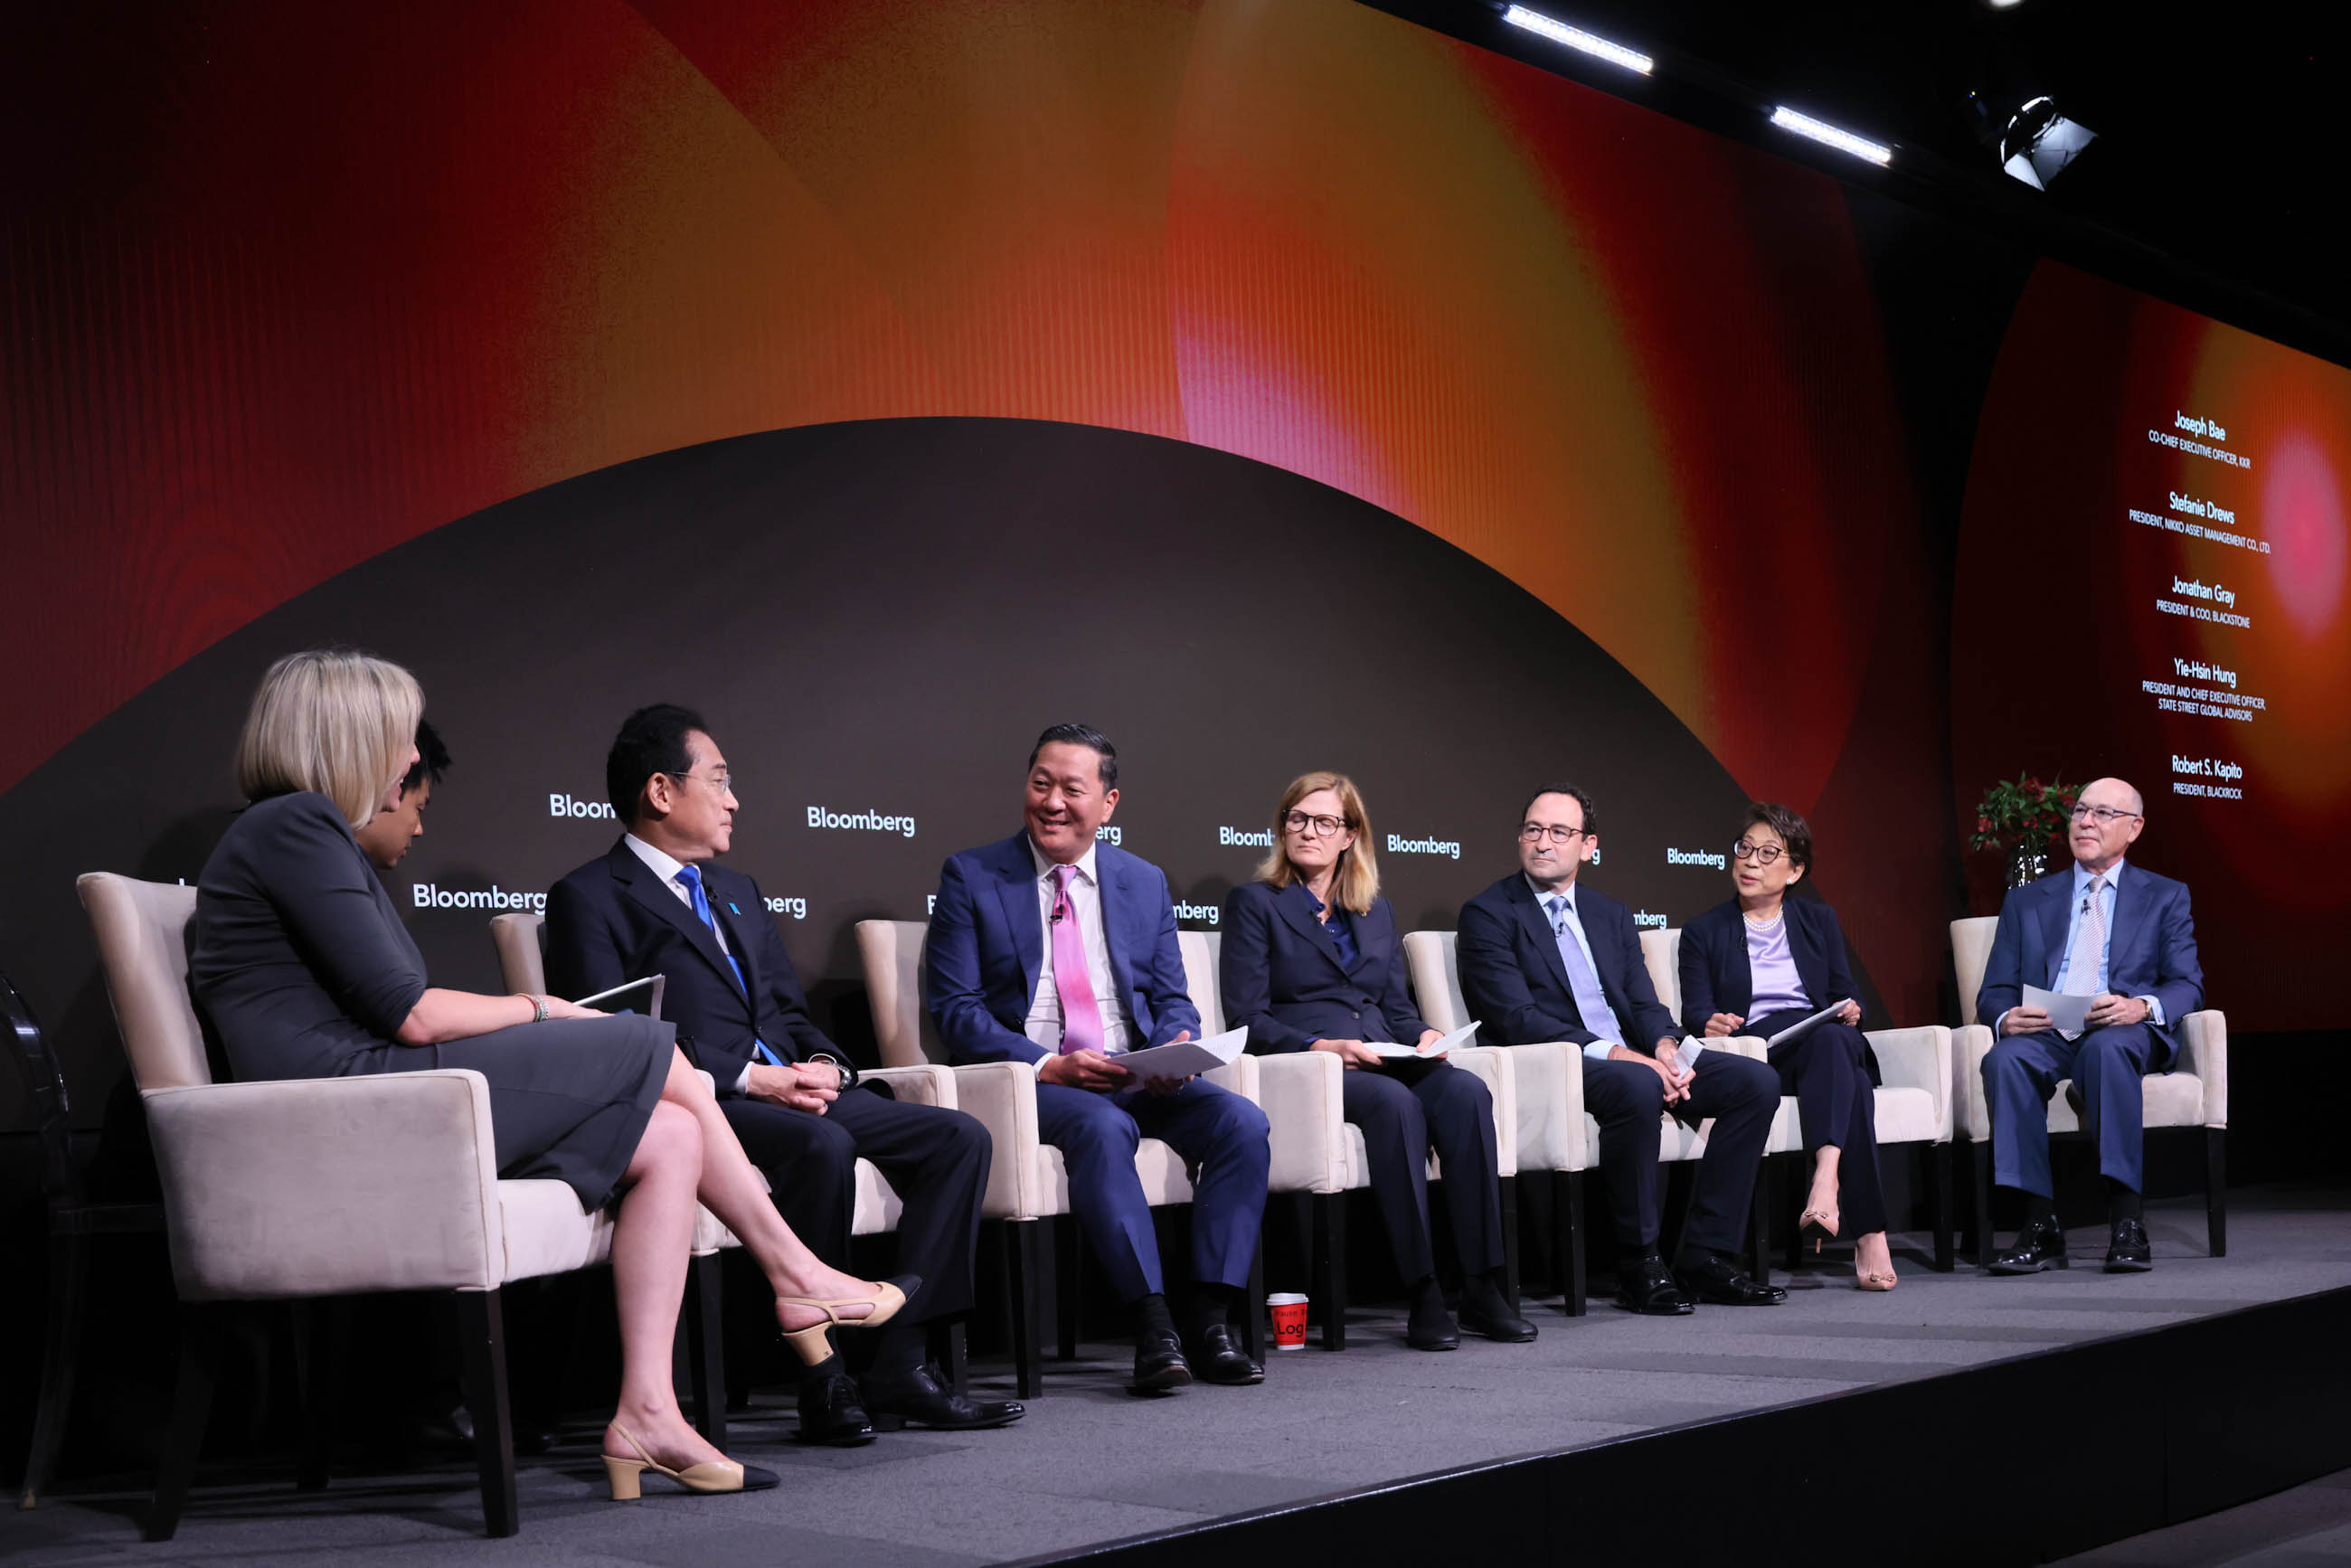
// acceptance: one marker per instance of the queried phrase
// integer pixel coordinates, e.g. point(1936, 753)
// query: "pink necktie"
point(1080, 1015)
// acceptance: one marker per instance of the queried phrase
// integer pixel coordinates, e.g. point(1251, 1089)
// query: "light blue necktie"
point(1590, 999)
point(691, 876)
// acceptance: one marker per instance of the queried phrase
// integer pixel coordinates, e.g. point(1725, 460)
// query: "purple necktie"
point(1080, 1015)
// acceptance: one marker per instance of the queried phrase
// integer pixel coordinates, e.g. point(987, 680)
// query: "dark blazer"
point(2151, 953)
point(1283, 981)
point(296, 957)
point(1514, 983)
point(613, 920)
point(1717, 978)
point(988, 942)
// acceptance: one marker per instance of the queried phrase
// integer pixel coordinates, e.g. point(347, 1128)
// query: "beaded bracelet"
point(538, 1006)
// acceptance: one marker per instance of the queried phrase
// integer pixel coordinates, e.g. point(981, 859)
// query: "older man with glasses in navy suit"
point(2123, 937)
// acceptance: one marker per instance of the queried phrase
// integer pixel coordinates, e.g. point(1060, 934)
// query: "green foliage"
point(2023, 814)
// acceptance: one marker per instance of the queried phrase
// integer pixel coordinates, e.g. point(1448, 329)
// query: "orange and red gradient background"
point(289, 285)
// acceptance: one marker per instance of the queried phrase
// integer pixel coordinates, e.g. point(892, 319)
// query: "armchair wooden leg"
point(201, 1327)
point(1938, 1178)
point(1329, 1269)
point(1568, 1198)
point(1790, 1189)
point(2215, 1191)
point(60, 1347)
point(1253, 1327)
point(1982, 1245)
point(321, 1340)
point(706, 1352)
point(481, 1329)
point(1069, 1277)
point(1758, 1230)
point(1027, 1266)
point(947, 1348)
point(1510, 1240)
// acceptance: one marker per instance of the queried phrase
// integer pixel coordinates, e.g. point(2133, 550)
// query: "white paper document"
point(2064, 1011)
point(1687, 1053)
point(1185, 1058)
point(1803, 1026)
point(629, 997)
point(1458, 1036)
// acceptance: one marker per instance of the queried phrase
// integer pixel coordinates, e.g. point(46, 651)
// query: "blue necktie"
point(1591, 1001)
point(691, 876)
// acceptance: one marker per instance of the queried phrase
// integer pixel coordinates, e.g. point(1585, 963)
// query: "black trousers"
point(1740, 1094)
point(1827, 1069)
point(936, 1160)
point(1403, 1110)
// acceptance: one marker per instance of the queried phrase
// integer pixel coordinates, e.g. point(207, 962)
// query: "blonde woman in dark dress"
point(305, 970)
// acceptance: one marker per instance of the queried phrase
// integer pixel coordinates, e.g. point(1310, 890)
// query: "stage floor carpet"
point(1091, 1464)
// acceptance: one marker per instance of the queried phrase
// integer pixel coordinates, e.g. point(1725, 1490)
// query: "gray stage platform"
point(1093, 1464)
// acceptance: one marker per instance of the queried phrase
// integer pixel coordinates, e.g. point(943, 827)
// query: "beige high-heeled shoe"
point(810, 1343)
point(627, 1475)
point(1874, 1280)
point(1819, 1224)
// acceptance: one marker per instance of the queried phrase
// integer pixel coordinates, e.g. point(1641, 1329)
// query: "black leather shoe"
point(1218, 1358)
point(923, 1399)
point(2038, 1247)
point(830, 1410)
point(1647, 1288)
point(1718, 1281)
point(1159, 1363)
point(1487, 1311)
point(2127, 1251)
point(1430, 1327)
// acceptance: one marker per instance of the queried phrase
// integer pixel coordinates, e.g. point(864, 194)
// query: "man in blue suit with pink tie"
point(2106, 929)
point(1054, 948)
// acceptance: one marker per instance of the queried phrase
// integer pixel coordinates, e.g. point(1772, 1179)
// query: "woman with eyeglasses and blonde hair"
point(1763, 961)
point(1311, 961)
point(301, 964)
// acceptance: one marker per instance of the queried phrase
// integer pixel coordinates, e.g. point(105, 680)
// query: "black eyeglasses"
point(1762, 854)
point(1308, 827)
point(1532, 831)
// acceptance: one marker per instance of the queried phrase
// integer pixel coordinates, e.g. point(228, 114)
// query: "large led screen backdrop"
point(1276, 386)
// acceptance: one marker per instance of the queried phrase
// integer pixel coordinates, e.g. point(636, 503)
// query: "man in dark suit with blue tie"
point(1542, 960)
point(2100, 929)
point(1054, 948)
point(658, 903)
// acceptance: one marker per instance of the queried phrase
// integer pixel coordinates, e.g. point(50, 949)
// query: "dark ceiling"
point(2217, 180)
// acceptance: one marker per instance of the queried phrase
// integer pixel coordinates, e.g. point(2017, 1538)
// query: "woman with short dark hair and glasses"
point(1311, 960)
point(1763, 961)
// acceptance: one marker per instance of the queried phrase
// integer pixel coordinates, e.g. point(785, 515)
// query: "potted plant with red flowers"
point(2024, 819)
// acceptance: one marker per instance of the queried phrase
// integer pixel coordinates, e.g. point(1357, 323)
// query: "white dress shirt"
point(1597, 1049)
point(1044, 1025)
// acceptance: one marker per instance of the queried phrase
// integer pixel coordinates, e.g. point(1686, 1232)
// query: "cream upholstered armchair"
point(327, 1186)
point(2193, 1095)
point(521, 943)
point(1319, 1156)
point(1028, 1184)
point(1913, 1098)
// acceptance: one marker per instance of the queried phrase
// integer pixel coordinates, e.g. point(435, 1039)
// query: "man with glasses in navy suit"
point(1542, 960)
point(659, 904)
point(1054, 948)
point(2106, 929)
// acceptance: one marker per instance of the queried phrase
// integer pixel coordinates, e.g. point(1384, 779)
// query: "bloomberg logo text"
point(861, 821)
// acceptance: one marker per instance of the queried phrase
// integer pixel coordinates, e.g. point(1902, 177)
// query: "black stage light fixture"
point(2038, 143)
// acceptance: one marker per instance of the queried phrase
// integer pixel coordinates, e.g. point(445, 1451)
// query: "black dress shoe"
point(1430, 1327)
point(2127, 1251)
point(1718, 1281)
point(921, 1397)
point(1159, 1363)
point(1486, 1311)
point(1647, 1288)
point(830, 1410)
point(2038, 1247)
point(1218, 1358)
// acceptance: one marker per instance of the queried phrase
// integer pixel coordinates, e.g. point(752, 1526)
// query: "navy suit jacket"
point(1717, 978)
point(1515, 984)
point(2151, 951)
point(1283, 981)
point(614, 920)
point(987, 943)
